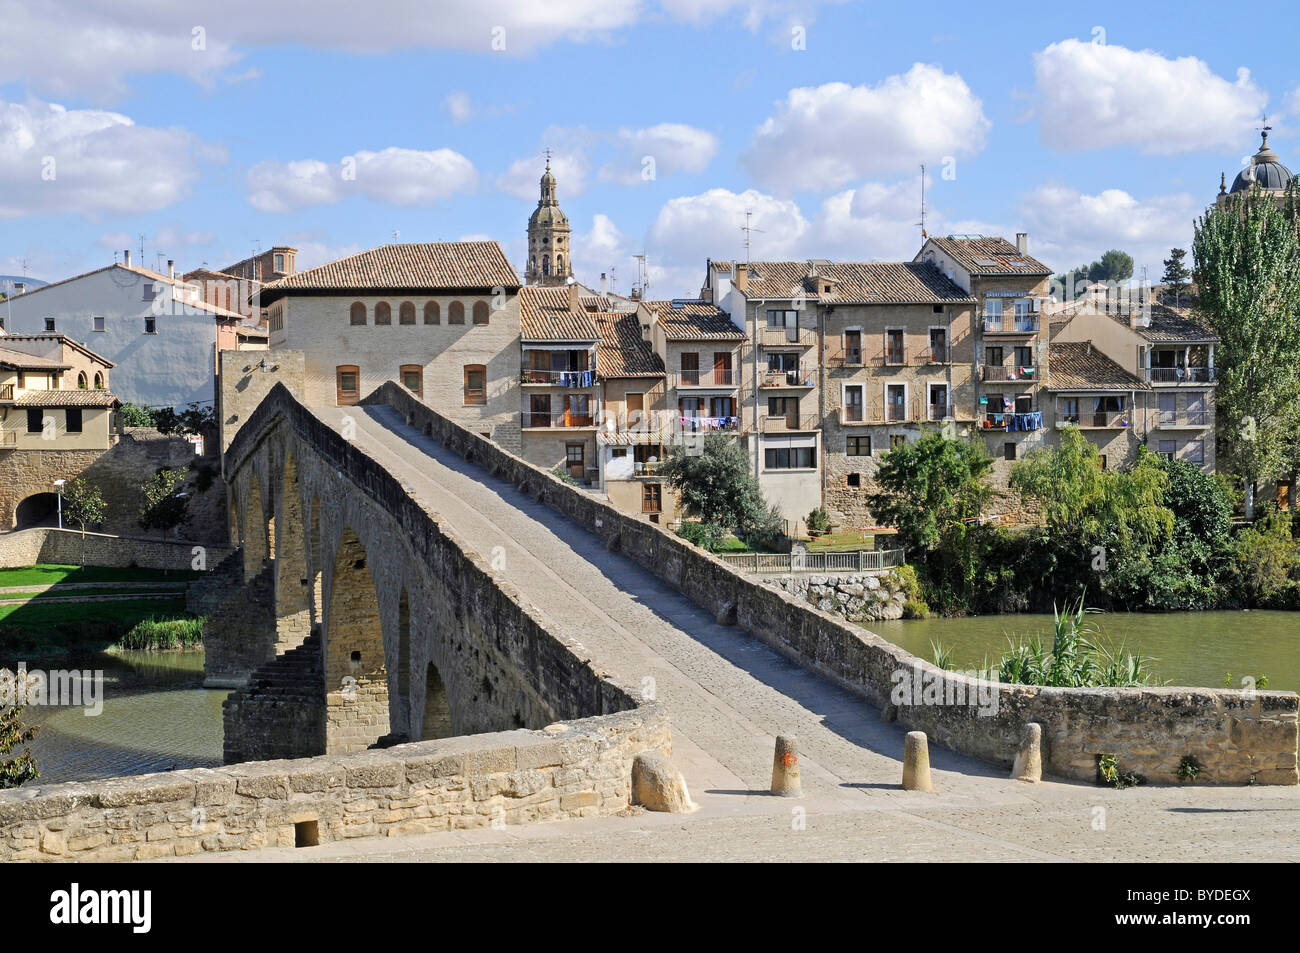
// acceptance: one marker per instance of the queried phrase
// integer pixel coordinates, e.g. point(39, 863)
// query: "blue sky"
point(1090, 130)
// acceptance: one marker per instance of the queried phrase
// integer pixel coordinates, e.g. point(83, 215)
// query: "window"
point(938, 345)
point(938, 401)
point(480, 312)
point(432, 313)
point(1008, 451)
point(348, 379)
point(782, 319)
point(279, 263)
point(895, 402)
point(99, 381)
point(857, 447)
point(1167, 448)
point(852, 347)
point(49, 325)
point(1195, 451)
point(1069, 410)
point(475, 376)
point(651, 497)
point(853, 479)
point(456, 313)
point(894, 353)
point(81, 381)
point(993, 356)
point(150, 325)
point(35, 418)
point(413, 379)
point(150, 292)
point(618, 453)
point(73, 417)
point(358, 313)
point(98, 322)
point(406, 313)
point(1024, 357)
point(854, 410)
point(383, 313)
point(690, 367)
point(790, 458)
point(992, 314)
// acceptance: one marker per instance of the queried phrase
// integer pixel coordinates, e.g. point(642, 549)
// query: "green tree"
point(1247, 268)
point(1114, 265)
point(194, 419)
point(165, 506)
point(716, 487)
point(1176, 278)
point(934, 490)
point(83, 505)
point(16, 770)
point(133, 415)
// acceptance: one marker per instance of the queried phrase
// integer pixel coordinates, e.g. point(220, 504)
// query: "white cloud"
point(668, 148)
point(1069, 227)
point(394, 175)
point(1098, 96)
point(522, 179)
point(54, 159)
point(826, 136)
point(458, 106)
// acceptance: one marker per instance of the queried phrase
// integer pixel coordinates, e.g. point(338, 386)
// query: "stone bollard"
point(785, 768)
point(916, 763)
point(1029, 758)
point(657, 785)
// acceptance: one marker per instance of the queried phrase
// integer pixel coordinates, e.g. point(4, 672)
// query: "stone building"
point(442, 318)
point(549, 253)
point(1264, 171)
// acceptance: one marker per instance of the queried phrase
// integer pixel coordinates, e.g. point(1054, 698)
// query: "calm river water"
point(156, 717)
point(1189, 648)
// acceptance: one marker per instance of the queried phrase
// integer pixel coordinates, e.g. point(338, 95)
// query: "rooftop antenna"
point(397, 233)
point(613, 279)
point(642, 274)
point(922, 222)
point(748, 229)
point(142, 249)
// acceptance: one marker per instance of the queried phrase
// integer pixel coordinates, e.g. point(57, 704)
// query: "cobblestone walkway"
point(729, 695)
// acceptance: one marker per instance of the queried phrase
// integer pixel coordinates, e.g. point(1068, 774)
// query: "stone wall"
point(1239, 738)
point(859, 597)
point(118, 473)
point(579, 769)
point(27, 547)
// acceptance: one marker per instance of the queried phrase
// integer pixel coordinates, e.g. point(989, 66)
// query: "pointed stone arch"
point(293, 595)
point(356, 676)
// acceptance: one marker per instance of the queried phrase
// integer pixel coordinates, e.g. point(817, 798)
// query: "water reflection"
point(156, 717)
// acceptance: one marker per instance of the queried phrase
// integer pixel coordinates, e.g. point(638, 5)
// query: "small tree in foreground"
point(22, 768)
point(164, 508)
point(716, 487)
point(83, 505)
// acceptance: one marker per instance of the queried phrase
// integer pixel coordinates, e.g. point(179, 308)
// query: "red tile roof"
point(854, 282)
point(544, 315)
point(622, 352)
point(990, 255)
point(694, 321)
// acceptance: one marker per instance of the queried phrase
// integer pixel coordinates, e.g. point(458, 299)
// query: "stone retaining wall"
point(27, 547)
point(579, 769)
point(859, 597)
point(1237, 737)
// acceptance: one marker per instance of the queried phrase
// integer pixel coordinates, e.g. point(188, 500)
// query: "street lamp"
point(59, 486)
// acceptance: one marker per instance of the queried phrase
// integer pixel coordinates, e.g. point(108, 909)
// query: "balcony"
point(1190, 419)
point(1022, 421)
point(8, 438)
point(1108, 421)
point(789, 423)
point(786, 337)
point(894, 357)
point(938, 411)
point(845, 357)
point(6, 391)
point(697, 424)
point(1009, 324)
point(585, 378)
point(1181, 375)
point(647, 468)
point(1018, 372)
point(935, 354)
point(566, 420)
point(714, 377)
point(776, 380)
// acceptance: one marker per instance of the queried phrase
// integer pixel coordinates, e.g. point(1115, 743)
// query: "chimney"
point(740, 277)
point(574, 304)
point(1022, 242)
point(171, 268)
point(126, 256)
point(604, 286)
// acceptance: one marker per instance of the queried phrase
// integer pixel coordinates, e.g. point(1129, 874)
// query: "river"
point(1189, 648)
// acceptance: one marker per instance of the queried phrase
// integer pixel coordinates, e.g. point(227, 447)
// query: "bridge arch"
point(293, 594)
point(255, 533)
point(356, 673)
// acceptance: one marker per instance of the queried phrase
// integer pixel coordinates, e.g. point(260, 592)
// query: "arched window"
point(383, 313)
point(99, 381)
point(81, 380)
point(480, 312)
point(358, 315)
point(559, 264)
point(546, 264)
point(406, 314)
point(456, 313)
point(432, 313)
point(475, 384)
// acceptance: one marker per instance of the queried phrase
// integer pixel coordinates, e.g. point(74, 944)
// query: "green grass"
point(849, 541)
point(58, 592)
point(43, 629)
point(48, 575)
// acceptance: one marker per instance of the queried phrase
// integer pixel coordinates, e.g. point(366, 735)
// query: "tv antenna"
point(922, 222)
point(642, 274)
point(749, 230)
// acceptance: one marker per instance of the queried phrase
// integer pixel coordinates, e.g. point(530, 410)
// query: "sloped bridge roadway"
point(368, 604)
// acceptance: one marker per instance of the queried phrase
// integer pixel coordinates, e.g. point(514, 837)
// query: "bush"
point(704, 535)
point(163, 634)
point(560, 472)
point(1267, 560)
point(818, 522)
point(914, 605)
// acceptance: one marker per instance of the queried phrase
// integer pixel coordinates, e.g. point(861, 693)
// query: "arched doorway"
point(356, 678)
point(39, 509)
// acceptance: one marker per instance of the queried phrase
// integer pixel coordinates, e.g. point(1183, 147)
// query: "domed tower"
point(548, 238)
point(1265, 171)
